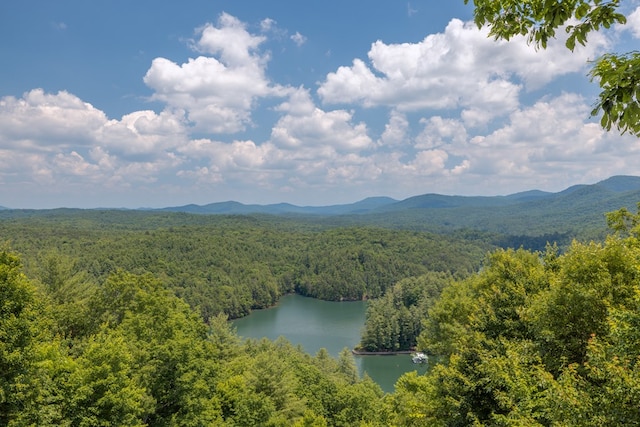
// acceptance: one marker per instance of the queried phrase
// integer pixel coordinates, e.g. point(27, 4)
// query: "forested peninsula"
point(120, 318)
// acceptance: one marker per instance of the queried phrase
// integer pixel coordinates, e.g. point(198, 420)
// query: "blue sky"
point(156, 103)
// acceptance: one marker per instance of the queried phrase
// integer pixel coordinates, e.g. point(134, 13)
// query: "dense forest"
point(536, 339)
point(96, 327)
point(394, 321)
point(232, 264)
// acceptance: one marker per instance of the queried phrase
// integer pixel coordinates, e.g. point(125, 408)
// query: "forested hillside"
point(230, 264)
point(527, 219)
point(536, 339)
point(94, 330)
point(140, 356)
point(533, 339)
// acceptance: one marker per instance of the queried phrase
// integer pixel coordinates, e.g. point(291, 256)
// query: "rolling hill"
point(578, 211)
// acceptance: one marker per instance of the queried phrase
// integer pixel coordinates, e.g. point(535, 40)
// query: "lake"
point(316, 324)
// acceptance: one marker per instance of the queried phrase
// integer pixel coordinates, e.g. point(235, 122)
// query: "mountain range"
point(609, 188)
point(577, 210)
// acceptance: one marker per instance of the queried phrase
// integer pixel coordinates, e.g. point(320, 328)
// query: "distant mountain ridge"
point(575, 212)
point(367, 205)
point(613, 186)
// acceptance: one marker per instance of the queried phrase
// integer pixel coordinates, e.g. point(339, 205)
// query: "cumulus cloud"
point(58, 136)
point(227, 156)
point(395, 131)
point(309, 148)
point(24, 166)
point(217, 92)
point(143, 134)
point(437, 131)
point(45, 121)
point(633, 23)
point(544, 145)
point(239, 162)
point(547, 139)
point(230, 40)
point(459, 68)
point(305, 125)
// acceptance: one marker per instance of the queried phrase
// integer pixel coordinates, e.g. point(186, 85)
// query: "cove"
point(316, 324)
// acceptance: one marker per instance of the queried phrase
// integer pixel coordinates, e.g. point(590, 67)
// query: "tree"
point(18, 335)
point(347, 365)
point(69, 291)
point(624, 223)
point(104, 388)
point(617, 74)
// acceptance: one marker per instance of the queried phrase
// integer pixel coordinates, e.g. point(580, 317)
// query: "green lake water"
point(316, 324)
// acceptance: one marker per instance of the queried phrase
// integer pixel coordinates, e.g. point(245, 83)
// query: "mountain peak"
point(621, 183)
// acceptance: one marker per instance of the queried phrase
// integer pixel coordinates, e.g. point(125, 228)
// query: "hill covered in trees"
point(532, 339)
point(512, 219)
point(536, 339)
point(231, 264)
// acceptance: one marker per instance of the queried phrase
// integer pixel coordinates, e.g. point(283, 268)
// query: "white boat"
point(419, 358)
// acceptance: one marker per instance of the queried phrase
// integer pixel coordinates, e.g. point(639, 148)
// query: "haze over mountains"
point(607, 191)
point(576, 212)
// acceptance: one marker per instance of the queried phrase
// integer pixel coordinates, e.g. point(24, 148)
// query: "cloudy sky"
point(145, 103)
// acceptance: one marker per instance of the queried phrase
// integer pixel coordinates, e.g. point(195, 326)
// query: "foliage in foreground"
point(617, 74)
point(551, 340)
point(143, 357)
point(533, 339)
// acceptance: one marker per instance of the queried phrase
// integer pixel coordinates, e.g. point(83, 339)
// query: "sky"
point(132, 104)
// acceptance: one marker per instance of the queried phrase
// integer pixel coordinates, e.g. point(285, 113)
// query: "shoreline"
point(380, 353)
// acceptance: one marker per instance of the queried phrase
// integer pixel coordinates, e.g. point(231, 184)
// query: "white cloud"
point(24, 166)
point(298, 39)
point(267, 25)
point(42, 121)
point(546, 145)
point(217, 93)
point(545, 141)
point(353, 169)
point(143, 133)
point(410, 10)
point(309, 148)
point(459, 68)
point(59, 137)
point(440, 97)
point(242, 162)
point(439, 132)
point(58, 25)
point(395, 131)
point(633, 23)
point(429, 162)
point(74, 164)
point(305, 125)
point(231, 41)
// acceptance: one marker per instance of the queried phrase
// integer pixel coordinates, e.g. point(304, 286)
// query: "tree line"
point(130, 353)
point(232, 264)
point(533, 338)
point(536, 339)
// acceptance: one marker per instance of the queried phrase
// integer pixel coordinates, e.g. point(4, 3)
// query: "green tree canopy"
point(617, 74)
point(535, 339)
